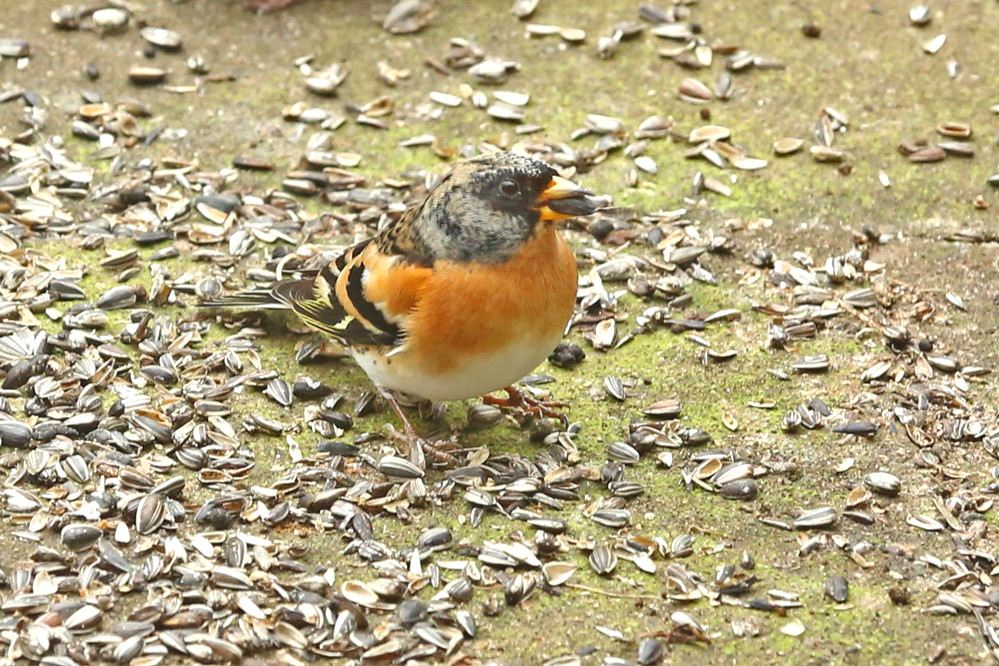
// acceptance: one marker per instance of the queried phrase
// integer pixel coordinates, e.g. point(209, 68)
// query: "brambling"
point(462, 295)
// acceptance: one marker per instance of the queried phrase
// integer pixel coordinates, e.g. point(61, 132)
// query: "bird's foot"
point(404, 437)
point(444, 454)
point(518, 399)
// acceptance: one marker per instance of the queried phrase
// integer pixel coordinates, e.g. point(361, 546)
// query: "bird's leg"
point(437, 451)
point(412, 440)
point(418, 449)
point(397, 408)
point(518, 399)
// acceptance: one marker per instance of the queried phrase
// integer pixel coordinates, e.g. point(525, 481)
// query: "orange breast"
point(480, 308)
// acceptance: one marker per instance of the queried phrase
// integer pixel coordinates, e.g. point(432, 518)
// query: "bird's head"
point(486, 208)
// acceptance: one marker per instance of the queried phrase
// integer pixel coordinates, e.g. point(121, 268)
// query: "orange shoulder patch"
point(395, 287)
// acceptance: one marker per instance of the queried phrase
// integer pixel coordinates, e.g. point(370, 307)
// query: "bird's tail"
point(281, 295)
point(254, 298)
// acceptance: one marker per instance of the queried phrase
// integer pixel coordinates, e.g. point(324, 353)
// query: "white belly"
point(475, 376)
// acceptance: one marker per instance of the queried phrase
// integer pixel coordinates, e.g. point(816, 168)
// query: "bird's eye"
point(510, 188)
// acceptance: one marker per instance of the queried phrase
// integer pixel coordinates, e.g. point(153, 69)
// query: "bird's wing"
point(283, 294)
point(362, 297)
point(377, 292)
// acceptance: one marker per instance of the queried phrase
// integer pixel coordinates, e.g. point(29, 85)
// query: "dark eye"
point(510, 188)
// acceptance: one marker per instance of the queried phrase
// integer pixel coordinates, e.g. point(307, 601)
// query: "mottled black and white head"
point(486, 208)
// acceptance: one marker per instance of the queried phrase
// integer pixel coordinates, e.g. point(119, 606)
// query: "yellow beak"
point(563, 199)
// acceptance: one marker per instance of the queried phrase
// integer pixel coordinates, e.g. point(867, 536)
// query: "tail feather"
point(255, 298)
point(280, 296)
point(314, 300)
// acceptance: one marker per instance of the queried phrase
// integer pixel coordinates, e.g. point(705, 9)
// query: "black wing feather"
point(311, 297)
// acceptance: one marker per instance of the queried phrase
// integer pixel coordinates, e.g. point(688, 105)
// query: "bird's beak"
point(563, 199)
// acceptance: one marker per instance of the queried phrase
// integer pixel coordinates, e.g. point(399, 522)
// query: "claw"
point(519, 400)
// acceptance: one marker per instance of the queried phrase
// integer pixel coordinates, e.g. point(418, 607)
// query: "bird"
point(462, 295)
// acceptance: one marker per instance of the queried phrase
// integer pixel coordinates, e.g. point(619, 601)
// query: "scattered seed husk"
point(407, 16)
point(924, 522)
point(827, 154)
point(611, 517)
point(79, 537)
point(747, 163)
point(394, 466)
point(816, 518)
point(623, 452)
point(815, 363)
point(793, 628)
point(957, 148)
point(110, 19)
point(602, 559)
point(557, 573)
point(718, 187)
point(146, 75)
point(692, 90)
point(858, 428)
point(646, 164)
point(603, 124)
point(932, 46)
point(197, 64)
point(168, 40)
point(955, 300)
point(512, 98)
point(883, 483)
point(954, 129)
point(708, 133)
point(542, 30)
point(920, 15)
point(677, 31)
point(742, 489)
point(523, 9)
point(445, 99)
point(788, 145)
point(876, 371)
point(927, 154)
point(664, 409)
point(505, 112)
